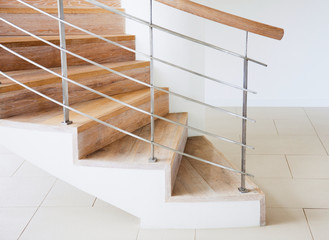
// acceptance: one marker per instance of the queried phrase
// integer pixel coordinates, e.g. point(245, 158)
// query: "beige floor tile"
point(282, 224)
point(24, 192)
point(325, 141)
point(13, 221)
point(296, 193)
point(320, 119)
point(226, 148)
point(262, 127)
point(318, 220)
point(317, 112)
point(227, 125)
point(9, 164)
point(293, 127)
point(83, 223)
point(63, 194)
point(286, 145)
point(29, 170)
point(264, 166)
point(309, 166)
point(276, 113)
point(322, 126)
point(166, 234)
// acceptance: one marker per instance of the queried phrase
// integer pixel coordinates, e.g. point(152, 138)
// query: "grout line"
point(195, 234)
point(17, 169)
point(292, 177)
point(94, 202)
point(37, 209)
point(308, 224)
point(276, 127)
point(327, 151)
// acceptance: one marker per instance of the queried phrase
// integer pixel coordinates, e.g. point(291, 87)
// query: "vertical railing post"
point(243, 188)
point(152, 157)
point(63, 63)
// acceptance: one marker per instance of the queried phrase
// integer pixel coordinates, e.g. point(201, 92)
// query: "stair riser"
point(67, 3)
point(177, 161)
point(98, 23)
point(23, 101)
point(99, 136)
point(48, 56)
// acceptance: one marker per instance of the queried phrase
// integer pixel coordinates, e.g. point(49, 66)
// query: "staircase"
point(174, 192)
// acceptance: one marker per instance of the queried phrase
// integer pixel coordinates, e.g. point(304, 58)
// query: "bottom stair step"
point(197, 181)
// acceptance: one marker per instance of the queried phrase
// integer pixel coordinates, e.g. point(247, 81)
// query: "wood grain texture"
point(129, 152)
point(15, 100)
point(67, 10)
point(53, 3)
point(91, 139)
point(92, 135)
point(226, 18)
point(197, 181)
point(38, 24)
point(87, 46)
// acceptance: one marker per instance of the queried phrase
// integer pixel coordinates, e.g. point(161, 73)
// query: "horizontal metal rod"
point(139, 20)
point(138, 52)
point(121, 102)
point(119, 129)
point(126, 76)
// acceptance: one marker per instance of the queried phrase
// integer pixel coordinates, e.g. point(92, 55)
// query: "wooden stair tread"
point(67, 10)
point(99, 108)
point(129, 152)
point(39, 77)
point(29, 39)
point(53, 4)
point(197, 181)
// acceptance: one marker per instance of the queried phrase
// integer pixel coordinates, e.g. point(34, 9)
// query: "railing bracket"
point(153, 160)
point(67, 123)
point(243, 190)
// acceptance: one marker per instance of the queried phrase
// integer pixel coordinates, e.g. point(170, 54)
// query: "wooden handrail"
point(226, 18)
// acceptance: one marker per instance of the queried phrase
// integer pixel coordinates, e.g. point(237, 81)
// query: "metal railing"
point(151, 114)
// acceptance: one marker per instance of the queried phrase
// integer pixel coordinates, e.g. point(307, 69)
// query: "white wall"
point(297, 74)
point(175, 50)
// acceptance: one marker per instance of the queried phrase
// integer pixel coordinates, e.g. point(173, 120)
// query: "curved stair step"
point(15, 100)
point(92, 135)
point(84, 45)
point(95, 20)
point(129, 152)
point(53, 4)
point(201, 182)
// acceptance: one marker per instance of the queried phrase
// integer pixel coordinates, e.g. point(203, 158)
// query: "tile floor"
point(291, 165)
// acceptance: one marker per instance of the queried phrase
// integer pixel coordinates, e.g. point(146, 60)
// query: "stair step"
point(15, 100)
point(197, 181)
point(129, 152)
point(95, 20)
point(53, 4)
point(84, 45)
point(93, 135)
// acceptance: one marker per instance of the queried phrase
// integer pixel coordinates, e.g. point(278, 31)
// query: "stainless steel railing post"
point(243, 188)
point(66, 112)
point(152, 157)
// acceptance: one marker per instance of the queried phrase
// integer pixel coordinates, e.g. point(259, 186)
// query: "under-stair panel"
point(91, 135)
point(53, 3)
point(15, 100)
point(95, 20)
point(84, 45)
